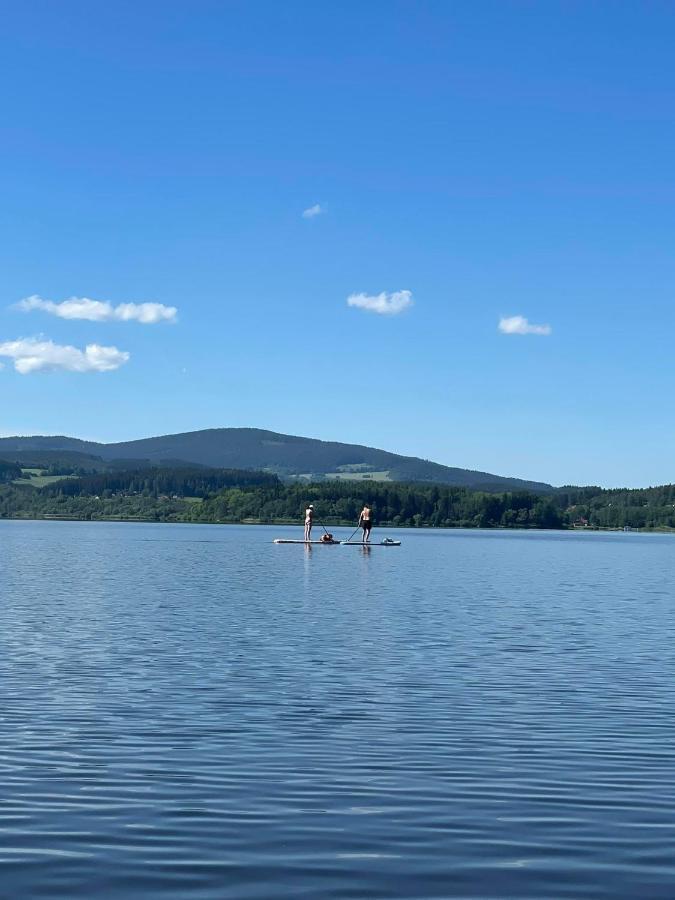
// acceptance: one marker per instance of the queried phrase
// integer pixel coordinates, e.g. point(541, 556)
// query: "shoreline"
point(131, 520)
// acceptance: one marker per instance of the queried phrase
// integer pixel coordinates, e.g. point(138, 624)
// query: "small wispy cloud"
point(100, 310)
point(312, 212)
point(520, 325)
point(383, 304)
point(39, 355)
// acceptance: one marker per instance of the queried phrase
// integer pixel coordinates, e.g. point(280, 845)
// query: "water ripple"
point(193, 712)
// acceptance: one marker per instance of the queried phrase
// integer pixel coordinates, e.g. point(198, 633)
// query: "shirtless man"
point(366, 522)
point(309, 519)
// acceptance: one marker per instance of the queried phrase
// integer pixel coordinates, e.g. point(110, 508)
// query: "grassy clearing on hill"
point(358, 476)
point(35, 478)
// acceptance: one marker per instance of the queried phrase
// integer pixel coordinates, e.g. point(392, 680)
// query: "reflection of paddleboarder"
point(366, 522)
point(309, 519)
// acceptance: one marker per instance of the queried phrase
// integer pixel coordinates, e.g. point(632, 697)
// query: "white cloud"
point(100, 311)
point(383, 304)
point(312, 212)
point(520, 325)
point(37, 355)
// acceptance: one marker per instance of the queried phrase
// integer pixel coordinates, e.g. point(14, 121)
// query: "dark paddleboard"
point(374, 544)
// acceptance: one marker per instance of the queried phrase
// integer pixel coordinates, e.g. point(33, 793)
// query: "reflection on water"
point(195, 712)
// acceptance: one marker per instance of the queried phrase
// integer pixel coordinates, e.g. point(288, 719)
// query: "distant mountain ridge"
point(288, 456)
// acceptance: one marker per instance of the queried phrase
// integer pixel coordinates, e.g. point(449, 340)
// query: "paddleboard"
point(288, 541)
point(373, 544)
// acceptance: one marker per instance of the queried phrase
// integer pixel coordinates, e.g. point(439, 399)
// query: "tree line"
point(9, 471)
point(392, 503)
point(157, 482)
point(231, 495)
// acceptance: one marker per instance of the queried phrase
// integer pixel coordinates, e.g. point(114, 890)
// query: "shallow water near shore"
point(194, 712)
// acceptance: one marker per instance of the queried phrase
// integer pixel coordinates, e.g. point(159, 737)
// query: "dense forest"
point(9, 472)
point(157, 482)
point(56, 462)
point(393, 504)
point(618, 507)
point(230, 495)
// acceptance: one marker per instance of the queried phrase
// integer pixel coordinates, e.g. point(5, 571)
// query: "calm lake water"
point(193, 712)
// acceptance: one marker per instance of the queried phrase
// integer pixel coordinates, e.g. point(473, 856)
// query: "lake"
point(194, 712)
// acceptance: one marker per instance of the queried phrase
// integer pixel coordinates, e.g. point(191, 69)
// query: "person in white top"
point(309, 519)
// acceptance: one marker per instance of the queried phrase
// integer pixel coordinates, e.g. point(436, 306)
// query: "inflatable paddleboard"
point(289, 541)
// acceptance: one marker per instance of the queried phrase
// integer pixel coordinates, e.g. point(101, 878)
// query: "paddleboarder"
point(366, 522)
point(309, 519)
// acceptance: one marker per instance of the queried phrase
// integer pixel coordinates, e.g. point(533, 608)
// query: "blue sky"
point(494, 159)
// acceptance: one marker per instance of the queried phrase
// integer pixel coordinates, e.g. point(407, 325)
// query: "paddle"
point(352, 534)
point(325, 529)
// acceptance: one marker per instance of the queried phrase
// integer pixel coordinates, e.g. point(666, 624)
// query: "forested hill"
point(285, 455)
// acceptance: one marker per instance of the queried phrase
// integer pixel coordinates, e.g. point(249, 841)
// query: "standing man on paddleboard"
point(309, 519)
point(366, 522)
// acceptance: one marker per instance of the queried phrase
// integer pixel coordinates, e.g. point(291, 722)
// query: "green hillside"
point(288, 456)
